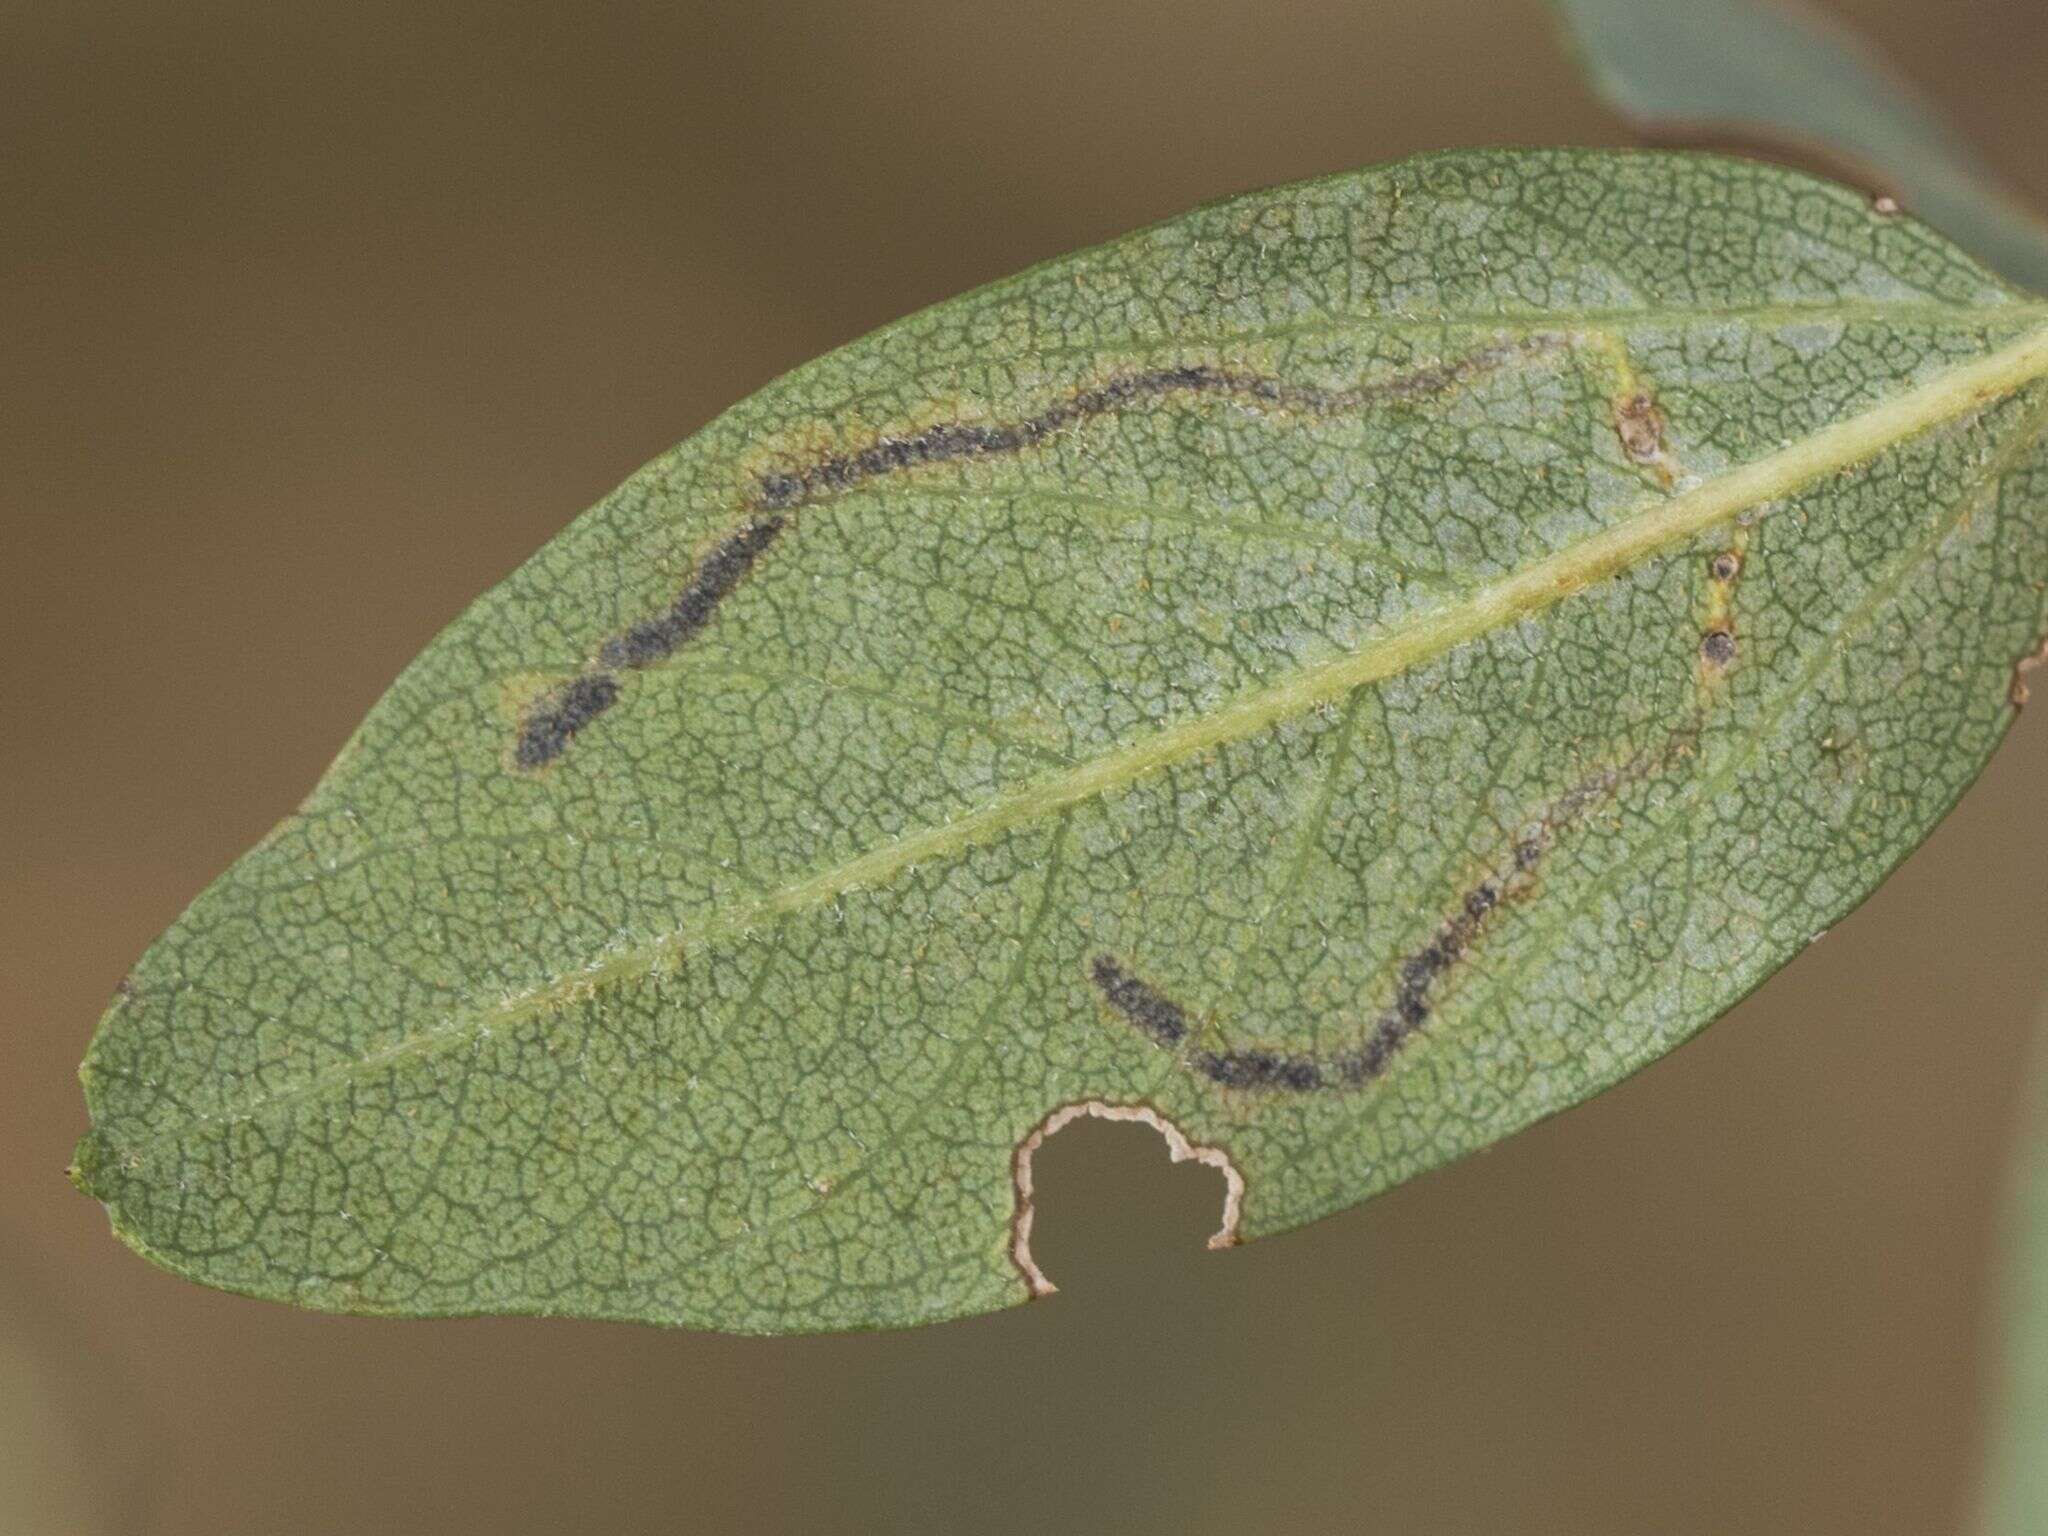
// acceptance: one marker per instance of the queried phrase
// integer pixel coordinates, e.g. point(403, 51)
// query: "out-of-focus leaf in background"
point(2017, 1488)
point(1777, 72)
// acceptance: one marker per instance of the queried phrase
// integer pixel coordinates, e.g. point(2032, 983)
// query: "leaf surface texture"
point(1350, 671)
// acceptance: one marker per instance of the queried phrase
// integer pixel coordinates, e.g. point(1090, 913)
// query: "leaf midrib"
point(1657, 526)
point(1700, 796)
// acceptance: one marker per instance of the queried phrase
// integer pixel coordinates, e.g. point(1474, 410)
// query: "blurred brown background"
point(317, 319)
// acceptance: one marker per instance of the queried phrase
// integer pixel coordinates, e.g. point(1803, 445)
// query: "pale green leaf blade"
point(1781, 72)
point(1345, 673)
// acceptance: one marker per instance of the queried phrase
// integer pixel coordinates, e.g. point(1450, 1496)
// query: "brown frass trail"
point(1140, 1004)
point(725, 568)
point(955, 441)
point(1416, 978)
point(554, 720)
point(1303, 1071)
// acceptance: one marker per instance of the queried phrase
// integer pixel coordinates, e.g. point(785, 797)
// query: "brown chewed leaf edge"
point(1335, 677)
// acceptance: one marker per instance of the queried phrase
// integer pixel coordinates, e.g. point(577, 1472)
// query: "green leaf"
point(1341, 675)
point(2017, 1487)
point(1781, 74)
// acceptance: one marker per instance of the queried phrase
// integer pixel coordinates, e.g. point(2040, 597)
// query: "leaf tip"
point(89, 1170)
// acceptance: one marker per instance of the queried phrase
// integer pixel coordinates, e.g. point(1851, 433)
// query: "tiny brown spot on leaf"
point(1640, 426)
point(1717, 648)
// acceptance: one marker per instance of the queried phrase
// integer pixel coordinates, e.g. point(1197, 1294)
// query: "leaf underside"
point(1349, 671)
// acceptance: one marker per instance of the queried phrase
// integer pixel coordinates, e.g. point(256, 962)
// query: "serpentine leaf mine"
point(1335, 677)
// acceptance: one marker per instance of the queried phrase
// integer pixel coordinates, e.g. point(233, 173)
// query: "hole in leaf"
point(1114, 1214)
